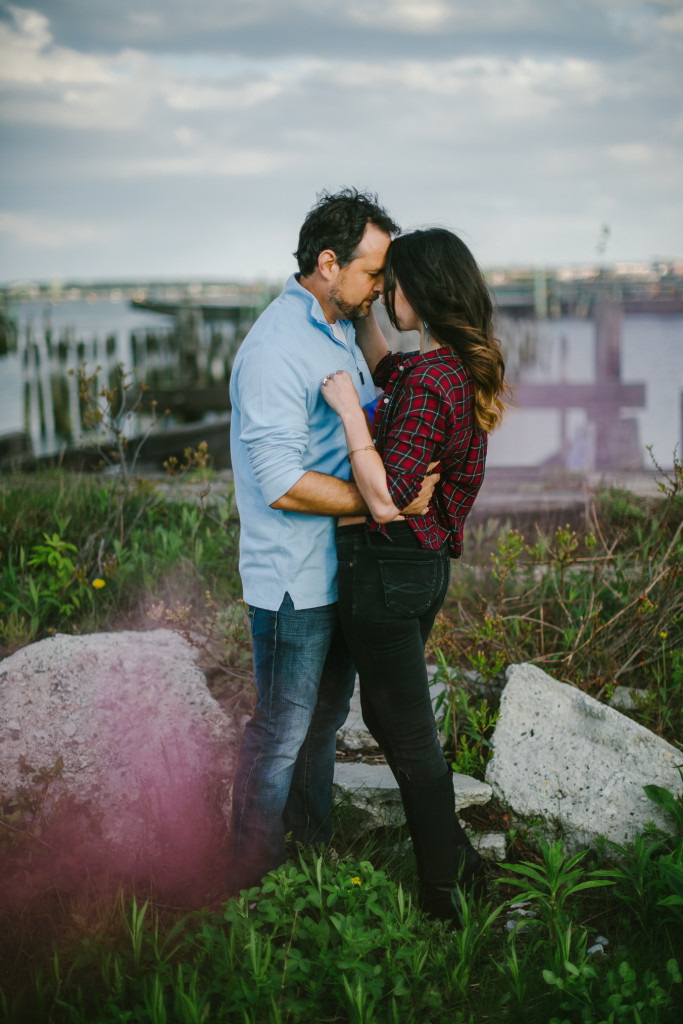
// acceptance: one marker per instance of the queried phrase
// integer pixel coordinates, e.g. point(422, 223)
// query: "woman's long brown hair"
point(442, 282)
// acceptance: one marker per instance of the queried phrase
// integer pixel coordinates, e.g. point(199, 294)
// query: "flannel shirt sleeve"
point(421, 427)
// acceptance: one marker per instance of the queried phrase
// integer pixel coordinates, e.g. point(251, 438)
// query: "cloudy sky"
point(188, 138)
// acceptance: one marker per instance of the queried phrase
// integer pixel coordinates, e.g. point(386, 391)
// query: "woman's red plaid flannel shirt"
point(427, 415)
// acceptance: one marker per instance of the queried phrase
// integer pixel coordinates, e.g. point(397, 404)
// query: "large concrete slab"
point(578, 765)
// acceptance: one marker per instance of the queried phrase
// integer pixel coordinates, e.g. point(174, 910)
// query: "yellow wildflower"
point(664, 635)
point(356, 880)
point(98, 584)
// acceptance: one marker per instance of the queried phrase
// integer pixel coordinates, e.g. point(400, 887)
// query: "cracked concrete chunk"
point(581, 767)
point(625, 698)
point(492, 845)
point(353, 734)
point(373, 791)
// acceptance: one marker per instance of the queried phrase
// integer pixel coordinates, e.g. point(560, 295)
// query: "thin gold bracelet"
point(366, 448)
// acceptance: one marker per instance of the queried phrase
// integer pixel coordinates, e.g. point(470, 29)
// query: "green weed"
point(598, 607)
point(465, 723)
point(84, 554)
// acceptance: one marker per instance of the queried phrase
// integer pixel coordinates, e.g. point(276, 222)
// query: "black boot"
point(445, 857)
point(443, 901)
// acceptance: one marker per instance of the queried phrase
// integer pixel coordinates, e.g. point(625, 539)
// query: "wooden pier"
point(186, 368)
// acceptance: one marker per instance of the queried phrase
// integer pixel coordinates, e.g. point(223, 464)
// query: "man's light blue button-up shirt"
point(282, 427)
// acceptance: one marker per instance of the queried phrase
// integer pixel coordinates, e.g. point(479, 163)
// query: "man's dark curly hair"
point(337, 222)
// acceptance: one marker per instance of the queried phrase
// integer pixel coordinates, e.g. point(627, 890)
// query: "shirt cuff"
point(277, 486)
point(276, 469)
point(402, 489)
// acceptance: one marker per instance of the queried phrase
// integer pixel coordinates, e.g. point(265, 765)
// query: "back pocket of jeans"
point(410, 586)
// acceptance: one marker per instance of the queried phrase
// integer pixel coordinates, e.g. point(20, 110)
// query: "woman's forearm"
point(368, 470)
point(371, 341)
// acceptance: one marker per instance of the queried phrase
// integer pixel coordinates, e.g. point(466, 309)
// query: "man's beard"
point(346, 310)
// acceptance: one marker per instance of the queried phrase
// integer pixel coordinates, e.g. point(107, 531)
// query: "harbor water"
point(558, 354)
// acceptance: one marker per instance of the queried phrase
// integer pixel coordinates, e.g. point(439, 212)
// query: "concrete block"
point(575, 763)
point(373, 791)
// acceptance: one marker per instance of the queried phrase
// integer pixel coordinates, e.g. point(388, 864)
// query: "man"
point(291, 480)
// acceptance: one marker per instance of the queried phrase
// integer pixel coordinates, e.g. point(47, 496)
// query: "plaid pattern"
point(426, 415)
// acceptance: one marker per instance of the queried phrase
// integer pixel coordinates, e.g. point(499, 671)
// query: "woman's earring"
point(424, 337)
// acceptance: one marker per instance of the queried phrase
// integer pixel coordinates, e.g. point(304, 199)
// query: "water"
point(653, 347)
point(88, 322)
point(86, 318)
point(564, 353)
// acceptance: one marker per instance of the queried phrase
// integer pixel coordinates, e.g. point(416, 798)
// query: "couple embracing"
point(349, 519)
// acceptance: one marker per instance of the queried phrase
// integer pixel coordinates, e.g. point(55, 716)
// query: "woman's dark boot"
point(443, 901)
point(446, 860)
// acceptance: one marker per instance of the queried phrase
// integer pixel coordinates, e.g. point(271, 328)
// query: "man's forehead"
point(374, 244)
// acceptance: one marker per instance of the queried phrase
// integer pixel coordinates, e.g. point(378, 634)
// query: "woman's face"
point(406, 317)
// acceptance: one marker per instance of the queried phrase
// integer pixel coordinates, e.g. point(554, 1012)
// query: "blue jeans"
point(283, 787)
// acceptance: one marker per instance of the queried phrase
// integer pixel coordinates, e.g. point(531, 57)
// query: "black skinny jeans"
point(390, 590)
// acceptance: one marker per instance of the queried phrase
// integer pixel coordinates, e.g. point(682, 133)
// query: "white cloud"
point(29, 58)
point(35, 229)
point(672, 22)
point(186, 136)
point(145, 22)
point(522, 124)
point(523, 76)
point(401, 15)
point(472, 92)
point(56, 86)
point(189, 95)
point(631, 153)
point(208, 162)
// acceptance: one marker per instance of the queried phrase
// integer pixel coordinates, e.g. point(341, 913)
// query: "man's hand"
point(419, 506)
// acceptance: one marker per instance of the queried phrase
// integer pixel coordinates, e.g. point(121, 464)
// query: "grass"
point(325, 940)
point(87, 554)
point(601, 608)
point(341, 940)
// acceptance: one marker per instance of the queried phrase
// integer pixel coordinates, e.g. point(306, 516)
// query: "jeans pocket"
point(410, 586)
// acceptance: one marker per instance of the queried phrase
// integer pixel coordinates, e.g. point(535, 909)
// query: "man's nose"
point(379, 284)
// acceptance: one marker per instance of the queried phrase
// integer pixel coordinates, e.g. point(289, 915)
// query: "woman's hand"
point(340, 394)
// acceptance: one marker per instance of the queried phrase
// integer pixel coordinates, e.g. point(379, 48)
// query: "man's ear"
point(327, 264)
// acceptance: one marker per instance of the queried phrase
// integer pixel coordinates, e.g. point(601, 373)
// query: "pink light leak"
point(144, 802)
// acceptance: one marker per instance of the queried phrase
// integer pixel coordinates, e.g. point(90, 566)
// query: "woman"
point(437, 407)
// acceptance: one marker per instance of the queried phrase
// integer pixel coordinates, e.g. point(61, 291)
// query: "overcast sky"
point(188, 138)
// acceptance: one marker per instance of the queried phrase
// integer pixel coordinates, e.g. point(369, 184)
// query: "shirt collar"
point(293, 289)
point(435, 356)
